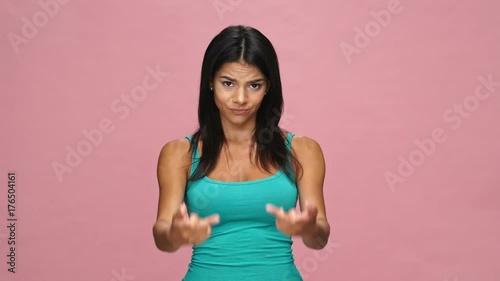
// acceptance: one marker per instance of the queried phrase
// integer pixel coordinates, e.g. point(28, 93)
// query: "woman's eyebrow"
point(227, 77)
point(232, 79)
point(256, 80)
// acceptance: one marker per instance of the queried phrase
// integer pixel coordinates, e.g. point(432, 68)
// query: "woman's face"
point(238, 91)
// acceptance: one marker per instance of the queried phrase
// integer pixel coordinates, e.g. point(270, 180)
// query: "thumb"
point(182, 212)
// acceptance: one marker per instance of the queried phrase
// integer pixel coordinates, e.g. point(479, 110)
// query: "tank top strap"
point(194, 157)
point(288, 146)
point(289, 140)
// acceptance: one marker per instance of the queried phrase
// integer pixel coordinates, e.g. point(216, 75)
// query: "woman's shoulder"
point(176, 148)
point(178, 143)
point(304, 143)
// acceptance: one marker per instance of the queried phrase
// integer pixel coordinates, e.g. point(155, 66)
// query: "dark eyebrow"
point(257, 80)
point(232, 80)
point(228, 78)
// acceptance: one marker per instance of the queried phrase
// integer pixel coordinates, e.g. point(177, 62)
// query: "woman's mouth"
point(240, 111)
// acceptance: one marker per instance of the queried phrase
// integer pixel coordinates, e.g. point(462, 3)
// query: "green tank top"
point(245, 245)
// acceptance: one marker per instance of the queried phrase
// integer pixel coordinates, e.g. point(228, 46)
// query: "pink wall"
point(395, 92)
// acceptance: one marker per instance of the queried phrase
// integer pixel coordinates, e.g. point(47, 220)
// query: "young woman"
point(230, 189)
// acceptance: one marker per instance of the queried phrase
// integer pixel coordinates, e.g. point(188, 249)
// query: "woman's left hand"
point(294, 222)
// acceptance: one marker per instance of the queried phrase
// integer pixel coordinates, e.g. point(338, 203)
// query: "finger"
point(178, 212)
point(310, 208)
point(272, 209)
point(213, 219)
point(306, 217)
point(312, 211)
point(194, 218)
point(181, 213)
point(281, 213)
point(292, 215)
point(184, 211)
point(301, 217)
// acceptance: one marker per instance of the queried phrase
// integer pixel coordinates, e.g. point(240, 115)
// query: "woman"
point(230, 189)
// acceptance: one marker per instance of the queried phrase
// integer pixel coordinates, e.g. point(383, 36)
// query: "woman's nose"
point(240, 95)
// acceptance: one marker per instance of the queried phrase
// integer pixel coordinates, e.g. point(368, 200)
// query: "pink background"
point(368, 110)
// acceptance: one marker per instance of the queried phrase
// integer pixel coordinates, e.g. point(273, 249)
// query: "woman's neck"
point(238, 136)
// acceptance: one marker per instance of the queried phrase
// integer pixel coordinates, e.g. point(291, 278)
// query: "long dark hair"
point(233, 44)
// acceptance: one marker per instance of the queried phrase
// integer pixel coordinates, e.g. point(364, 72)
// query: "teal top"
point(245, 245)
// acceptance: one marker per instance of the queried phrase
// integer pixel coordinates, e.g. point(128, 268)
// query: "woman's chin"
point(238, 119)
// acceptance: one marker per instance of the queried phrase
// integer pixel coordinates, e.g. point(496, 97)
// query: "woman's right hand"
point(191, 229)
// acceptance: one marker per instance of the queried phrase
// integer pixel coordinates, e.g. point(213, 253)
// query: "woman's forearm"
point(317, 238)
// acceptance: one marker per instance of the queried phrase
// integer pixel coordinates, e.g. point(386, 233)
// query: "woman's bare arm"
point(172, 173)
point(310, 186)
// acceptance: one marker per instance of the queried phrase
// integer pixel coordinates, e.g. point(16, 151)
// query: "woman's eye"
point(255, 86)
point(225, 83)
